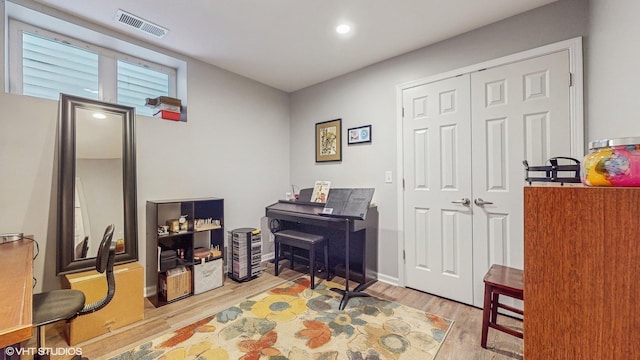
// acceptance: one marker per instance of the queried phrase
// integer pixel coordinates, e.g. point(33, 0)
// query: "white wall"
point(613, 54)
point(368, 96)
point(235, 145)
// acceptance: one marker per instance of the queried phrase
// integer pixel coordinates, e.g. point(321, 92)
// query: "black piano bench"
point(305, 241)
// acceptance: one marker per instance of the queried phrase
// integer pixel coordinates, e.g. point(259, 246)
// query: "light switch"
point(388, 177)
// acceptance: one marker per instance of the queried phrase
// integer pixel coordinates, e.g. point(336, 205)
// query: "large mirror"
point(97, 181)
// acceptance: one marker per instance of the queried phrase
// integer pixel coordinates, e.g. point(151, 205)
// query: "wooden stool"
point(500, 280)
point(305, 241)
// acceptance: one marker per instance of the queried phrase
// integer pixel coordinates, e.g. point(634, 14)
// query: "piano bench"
point(305, 241)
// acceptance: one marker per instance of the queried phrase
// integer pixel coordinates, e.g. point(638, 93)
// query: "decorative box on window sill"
point(166, 107)
point(154, 102)
point(168, 115)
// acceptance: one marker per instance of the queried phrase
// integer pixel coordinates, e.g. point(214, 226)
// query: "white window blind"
point(50, 67)
point(136, 83)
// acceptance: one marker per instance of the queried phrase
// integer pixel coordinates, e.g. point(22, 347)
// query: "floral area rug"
point(297, 323)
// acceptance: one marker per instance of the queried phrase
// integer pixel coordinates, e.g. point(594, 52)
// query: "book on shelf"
point(320, 191)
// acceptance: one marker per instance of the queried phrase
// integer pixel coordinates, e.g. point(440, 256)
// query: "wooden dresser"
point(16, 281)
point(581, 271)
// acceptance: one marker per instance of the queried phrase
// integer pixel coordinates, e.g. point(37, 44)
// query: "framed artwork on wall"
point(329, 140)
point(359, 135)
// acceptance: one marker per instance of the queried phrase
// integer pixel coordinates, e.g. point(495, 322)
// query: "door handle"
point(480, 202)
point(463, 201)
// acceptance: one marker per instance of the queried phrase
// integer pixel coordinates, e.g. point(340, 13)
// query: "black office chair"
point(66, 304)
point(83, 248)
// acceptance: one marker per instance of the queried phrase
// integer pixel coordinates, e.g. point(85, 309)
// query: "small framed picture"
point(359, 135)
point(329, 141)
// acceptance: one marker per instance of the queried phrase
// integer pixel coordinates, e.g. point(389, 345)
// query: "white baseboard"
point(388, 279)
point(149, 290)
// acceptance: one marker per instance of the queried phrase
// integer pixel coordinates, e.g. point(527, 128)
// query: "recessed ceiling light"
point(343, 29)
point(99, 115)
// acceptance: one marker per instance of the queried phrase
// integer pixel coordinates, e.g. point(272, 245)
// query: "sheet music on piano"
point(348, 203)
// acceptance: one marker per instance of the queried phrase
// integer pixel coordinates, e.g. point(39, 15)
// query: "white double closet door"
point(464, 140)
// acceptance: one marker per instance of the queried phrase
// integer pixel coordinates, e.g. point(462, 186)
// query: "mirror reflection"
point(98, 184)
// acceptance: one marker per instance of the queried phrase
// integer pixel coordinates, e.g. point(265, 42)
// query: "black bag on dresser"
point(168, 260)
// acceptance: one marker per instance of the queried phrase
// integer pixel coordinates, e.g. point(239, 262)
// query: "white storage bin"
point(207, 276)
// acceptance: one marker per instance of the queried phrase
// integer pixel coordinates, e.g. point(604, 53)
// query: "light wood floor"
point(462, 342)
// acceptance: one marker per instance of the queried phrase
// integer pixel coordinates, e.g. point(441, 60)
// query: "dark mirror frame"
point(66, 262)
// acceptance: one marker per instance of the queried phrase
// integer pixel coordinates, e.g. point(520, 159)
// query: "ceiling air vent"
point(140, 24)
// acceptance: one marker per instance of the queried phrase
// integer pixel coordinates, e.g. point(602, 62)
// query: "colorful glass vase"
point(612, 162)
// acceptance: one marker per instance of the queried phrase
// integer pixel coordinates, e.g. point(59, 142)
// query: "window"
point(45, 64)
point(136, 83)
point(49, 68)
